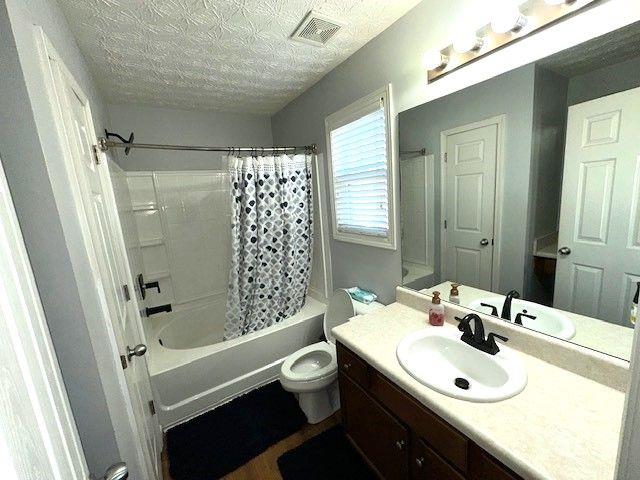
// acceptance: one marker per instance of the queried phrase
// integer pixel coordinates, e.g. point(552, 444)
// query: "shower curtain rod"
point(104, 145)
point(422, 151)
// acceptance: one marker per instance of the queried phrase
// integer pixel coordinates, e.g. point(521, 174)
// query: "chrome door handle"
point(564, 251)
point(484, 242)
point(137, 351)
point(117, 471)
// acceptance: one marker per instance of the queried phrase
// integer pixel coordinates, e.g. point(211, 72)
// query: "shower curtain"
point(272, 240)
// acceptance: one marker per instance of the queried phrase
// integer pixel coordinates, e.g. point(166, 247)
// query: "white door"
point(599, 256)
point(38, 437)
point(470, 190)
point(109, 264)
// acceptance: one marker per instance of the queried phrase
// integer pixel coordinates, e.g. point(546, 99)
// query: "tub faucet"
point(506, 308)
point(160, 308)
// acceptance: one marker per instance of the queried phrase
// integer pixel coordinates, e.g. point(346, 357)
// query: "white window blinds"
point(360, 171)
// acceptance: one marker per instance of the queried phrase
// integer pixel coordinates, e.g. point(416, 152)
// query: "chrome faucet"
point(475, 337)
point(506, 307)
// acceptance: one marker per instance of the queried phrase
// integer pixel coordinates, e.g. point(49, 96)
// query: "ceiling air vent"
point(317, 29)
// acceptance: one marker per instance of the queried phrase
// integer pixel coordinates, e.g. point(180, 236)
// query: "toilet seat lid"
point(339, 311)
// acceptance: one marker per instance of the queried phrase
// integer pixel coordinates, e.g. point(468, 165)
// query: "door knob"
point(484, 242)
point(137, 351)
point(117, 471)
point(564, 251)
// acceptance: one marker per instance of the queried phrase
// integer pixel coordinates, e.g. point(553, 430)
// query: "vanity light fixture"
point(467, 42)
point(513, 20)
point(508, 19)
point(434, 59)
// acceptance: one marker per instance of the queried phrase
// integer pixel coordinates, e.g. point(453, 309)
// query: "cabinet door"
point(380, 437)
point(428, 465)
point(484, 467)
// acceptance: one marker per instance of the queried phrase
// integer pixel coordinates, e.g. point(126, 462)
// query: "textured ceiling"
point(225, 55)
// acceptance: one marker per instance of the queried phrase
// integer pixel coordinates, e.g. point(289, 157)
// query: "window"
point(362, 171)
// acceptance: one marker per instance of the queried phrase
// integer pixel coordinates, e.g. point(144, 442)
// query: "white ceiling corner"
point(224, 55)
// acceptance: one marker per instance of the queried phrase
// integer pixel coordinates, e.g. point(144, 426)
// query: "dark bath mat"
point(328, 455)
point(217, 442)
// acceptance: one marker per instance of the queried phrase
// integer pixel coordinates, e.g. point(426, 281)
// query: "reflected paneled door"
point(470, 184)
point(599, 239)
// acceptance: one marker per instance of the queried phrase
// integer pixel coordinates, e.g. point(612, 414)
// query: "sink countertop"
point(610, 338)
point(561, 427)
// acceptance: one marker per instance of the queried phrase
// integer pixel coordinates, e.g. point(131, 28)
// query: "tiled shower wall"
point(183, 223)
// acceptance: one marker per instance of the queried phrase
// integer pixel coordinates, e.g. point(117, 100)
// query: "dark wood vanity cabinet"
point(399, 437)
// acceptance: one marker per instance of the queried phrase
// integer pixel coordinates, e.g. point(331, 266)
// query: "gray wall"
point(26, 127)
point(510, 94)
point(392, 57)
point(547, 157)
point(604, 81)
point(167, 125)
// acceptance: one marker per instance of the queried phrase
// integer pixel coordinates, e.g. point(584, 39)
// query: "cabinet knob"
point(400, 444)
point(346, 366)
point(420, 462)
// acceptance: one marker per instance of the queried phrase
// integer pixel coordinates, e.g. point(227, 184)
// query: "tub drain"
point(462, 383)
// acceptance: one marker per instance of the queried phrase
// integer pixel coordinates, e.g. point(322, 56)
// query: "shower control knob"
point(137, 351)
point(564, 251)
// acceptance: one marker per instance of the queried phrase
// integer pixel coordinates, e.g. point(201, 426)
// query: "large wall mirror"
point(525, 190)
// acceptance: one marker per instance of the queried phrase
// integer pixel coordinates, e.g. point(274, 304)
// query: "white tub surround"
point(563, 426)
point(193, 371)
point(593, 333)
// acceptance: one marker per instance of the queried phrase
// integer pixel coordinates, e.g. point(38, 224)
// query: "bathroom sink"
point(548, 320)
point(437, 358)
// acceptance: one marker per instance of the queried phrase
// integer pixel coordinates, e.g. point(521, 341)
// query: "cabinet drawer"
point(353, 366)
point(485, 467)
point(428, 465)
point(444, 439)
point(380, 437)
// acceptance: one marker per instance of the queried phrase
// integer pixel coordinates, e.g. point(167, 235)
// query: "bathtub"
point(192, 370)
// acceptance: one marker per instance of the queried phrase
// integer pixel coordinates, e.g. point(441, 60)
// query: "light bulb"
point(434, 59)
point(508, 19)
point(467, 42)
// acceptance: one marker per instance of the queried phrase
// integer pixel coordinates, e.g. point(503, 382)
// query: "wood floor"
point(265, 466)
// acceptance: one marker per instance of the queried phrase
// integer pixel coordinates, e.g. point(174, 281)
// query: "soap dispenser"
point(454, 295)
point(634, 306)
point(436, 311)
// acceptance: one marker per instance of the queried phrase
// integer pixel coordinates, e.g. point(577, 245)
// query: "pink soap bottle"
point(436, 312)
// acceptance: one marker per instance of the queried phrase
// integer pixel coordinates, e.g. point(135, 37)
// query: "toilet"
point(311, 373)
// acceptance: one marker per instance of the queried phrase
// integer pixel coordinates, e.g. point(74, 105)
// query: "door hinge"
point(492, 242)
point(127, 293)
point(96, 154)
point(445, 224)
point(123, 361)
point(446, 157)
point(152, 407)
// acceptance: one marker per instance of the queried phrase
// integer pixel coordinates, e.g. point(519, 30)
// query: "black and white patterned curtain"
point(271, 240)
